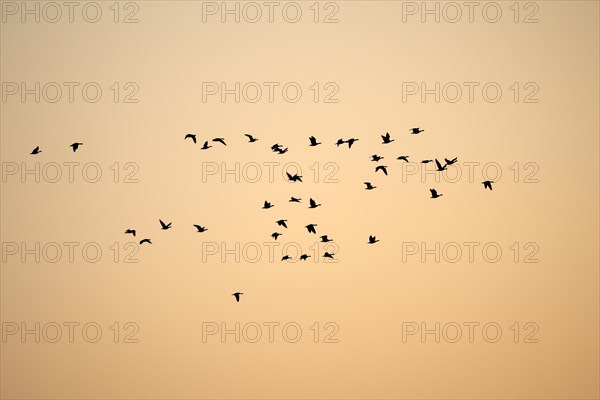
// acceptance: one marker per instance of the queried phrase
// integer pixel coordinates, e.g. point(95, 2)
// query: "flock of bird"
point(279, 149)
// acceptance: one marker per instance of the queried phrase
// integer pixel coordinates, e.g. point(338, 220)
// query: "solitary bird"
point(416, 131)
point(286, 257)
point(145, 241)
point(313, 141)
point(190, 136)
point(340, 141)
point(282, 222)
point(303, 257)
point(294, 178)
point(426, 161)
point(403, 158)
point(313, 204)
point(237, 296)
point(130, 231)
point(295, 200)
point(327, 255)
point(351, 142)
point(487, 184)
point(75, 146)
point(386, 138)
point(36, 150)
point(373, 240)
point(450, 162)
point(369, 186)
point(376, 158)
point(434, 194)
point(205, 146)
point(220, 140)
point(251, 139)
point(325, 239)
point(439, 166)
point(200, 228)
point(165, 226)
point(275, 235)
point(381, 168)
point(267, 205)
point(311, 228)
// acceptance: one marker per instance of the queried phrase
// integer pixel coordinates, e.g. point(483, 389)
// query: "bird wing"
point(433, 192)
point(162, 223)
point(438, 164)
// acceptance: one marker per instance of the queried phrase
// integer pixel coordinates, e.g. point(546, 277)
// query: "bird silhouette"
point(351, 142)
point(426, 161)
point(294, 178)
point(487, 184)
point(191, 136)
point(276, 147)
point(282, 151)
point(369, 186)
point(36, 150)
point(165, 226)
point(415, 131)
point(311, 228)
point(434, 194)
point(237, 296)
point(295, 200)
point(328, 255)
point(450, 162)
point(220, 140)
point(267, 205)
point(75, 146)
point(251, 139)
point(145, 241)
point(130, 231)
point(313, 141)
point(381, 168)
point(282, 222)
point(340, 141)
point(205, 146)
point(376, 158)
point(403, 158)
point(286, 257)
point(386, 138)
point(439, 166)
point(325, 239)
point(303, 257)
point(313, 204)
point(200, 228)
point(373, 240)
point(275, 235)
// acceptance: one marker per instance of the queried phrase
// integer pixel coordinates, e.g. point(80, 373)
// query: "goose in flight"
point(450, 162)
point(351, 142)
point(282, 222)
point(275, 235)
point(205, 146)
point(313, 204)
point(294, 178)
point(313, 141)
point(145, 241)
point(373, 239)
point(403, 158)
point(386, 138)
point(439, 166)
point(190, 136)
point(328, 255)
point(376, 158)
point(36, 150)
point(325, 239)
point(369, 186)
point(75, 146)
point(237, 296)
point(267, 205)
point(303, 257)
point(220, 140)
point(426, 161)
point(251, 139)
point(487, 184)
point(295, 200)
point(164, 226)
point(415, 131)
point(286, 257)
point(434, 194)
point(200, 228)
point(311, 228)
point(340, 141)
point(381, 168)
point(130, 231)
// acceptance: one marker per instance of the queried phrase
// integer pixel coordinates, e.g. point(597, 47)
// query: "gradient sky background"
point(371, 291)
